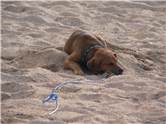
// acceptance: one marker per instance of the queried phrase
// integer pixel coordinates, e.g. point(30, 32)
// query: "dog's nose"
point(120, 71)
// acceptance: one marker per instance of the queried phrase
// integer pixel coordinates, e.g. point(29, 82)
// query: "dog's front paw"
point(78, 72)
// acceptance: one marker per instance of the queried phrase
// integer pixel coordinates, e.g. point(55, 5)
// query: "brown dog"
point(88, 50)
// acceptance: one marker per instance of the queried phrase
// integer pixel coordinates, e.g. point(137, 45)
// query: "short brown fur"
point(103, 59)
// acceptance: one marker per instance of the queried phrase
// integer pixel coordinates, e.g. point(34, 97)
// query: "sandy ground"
point(32, 66)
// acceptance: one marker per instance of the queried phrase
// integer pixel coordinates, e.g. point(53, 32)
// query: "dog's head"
point(104, 60)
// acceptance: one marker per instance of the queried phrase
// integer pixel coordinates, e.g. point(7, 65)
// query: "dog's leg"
point(71, 63)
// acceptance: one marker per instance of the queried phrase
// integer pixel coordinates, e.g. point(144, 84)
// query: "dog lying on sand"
point(89, 51)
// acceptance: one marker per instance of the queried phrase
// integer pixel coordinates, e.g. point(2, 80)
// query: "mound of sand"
point(32, 65)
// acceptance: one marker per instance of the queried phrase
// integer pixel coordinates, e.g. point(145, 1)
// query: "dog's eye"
point(115, 55)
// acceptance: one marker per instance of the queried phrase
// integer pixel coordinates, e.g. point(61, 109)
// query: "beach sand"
point(32, 65)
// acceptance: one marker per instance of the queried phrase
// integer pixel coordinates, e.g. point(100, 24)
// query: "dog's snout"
point(118, 71)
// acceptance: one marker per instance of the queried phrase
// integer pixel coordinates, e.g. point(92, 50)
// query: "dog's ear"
point(94, 64)
point(98, 62)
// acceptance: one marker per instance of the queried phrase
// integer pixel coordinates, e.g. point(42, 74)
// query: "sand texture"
point(32, 64)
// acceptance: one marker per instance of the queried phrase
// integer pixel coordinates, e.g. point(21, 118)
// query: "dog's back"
point(78, 40)
point(71, 40)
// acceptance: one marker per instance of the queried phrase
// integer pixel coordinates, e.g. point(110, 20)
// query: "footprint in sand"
point(70, 89)
point(91, 97)
point(5, 96)
point(158, 95)
point(47, 122)
point(70, 117)
point(15, 9)
point(70, 21)
point(17, 90)
point(37, 20)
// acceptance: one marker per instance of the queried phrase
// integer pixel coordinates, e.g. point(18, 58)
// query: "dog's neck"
point(88, 53)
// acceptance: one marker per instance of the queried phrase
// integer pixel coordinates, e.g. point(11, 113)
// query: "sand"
point(32, 65)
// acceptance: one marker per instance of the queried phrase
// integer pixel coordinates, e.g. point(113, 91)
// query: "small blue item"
point(51, 98)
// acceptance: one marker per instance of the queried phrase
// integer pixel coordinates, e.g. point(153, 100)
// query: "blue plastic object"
point(51, 98)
